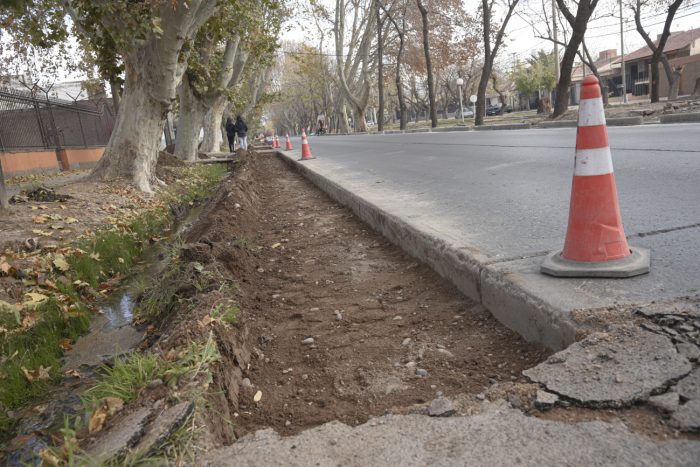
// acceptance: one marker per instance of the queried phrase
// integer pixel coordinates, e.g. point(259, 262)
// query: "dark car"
point(493, 110)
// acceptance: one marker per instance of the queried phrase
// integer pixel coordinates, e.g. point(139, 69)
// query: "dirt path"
point(378, 319)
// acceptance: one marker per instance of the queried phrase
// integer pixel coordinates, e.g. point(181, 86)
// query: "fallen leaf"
point(12, 308)
point(28, 321)
point(276, 245)
point(5, 268)
point(121, 260)
point(95, 256)
point(60, 262)
point(74, 373)
point(49, 458)
point(70, 220)
point(40, 219)
point(34, 299)
point(107, 407)
point(56, 226)
point(37, 375)
point(65, 344)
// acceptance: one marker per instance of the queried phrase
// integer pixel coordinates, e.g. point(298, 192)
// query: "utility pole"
point(556, 40)
point(622, 57)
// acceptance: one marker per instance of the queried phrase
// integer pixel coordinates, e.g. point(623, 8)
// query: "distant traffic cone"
point(595, 244)
point(288, 145)
point(275, 142)
point(305, 151)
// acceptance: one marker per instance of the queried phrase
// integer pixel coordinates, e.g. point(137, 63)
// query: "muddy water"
point(111, 333)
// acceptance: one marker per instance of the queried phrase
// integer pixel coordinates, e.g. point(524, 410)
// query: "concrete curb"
point(506, 300)
point(557, 124)
point(451, 128)
point(624, 121)
point(504, 126)
point(690, 117)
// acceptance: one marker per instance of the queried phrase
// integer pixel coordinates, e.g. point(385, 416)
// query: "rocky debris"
point(406, 341)
point(545, 400)
point(496, 436)
point(687, 416)
point(122, 436)
point(667, 402)
point(689, 387)
point(308, 341)
point(421, 372)
point(163, 427)
point(441, 407)
point(679, 320)
point(603, 370)
point(690, 351)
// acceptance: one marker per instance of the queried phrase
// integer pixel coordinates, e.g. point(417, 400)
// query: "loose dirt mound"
point(387, 332)
point(165, 159)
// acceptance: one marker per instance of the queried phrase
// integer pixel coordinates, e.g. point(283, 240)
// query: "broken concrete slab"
point(545, 400)
point(689, 351)
point(441, 407)
point(612, 369)
point(163, 427)
point(120, 437)
point(497, 436)
point(667, 402)
point(689, 387)
point(687, 417)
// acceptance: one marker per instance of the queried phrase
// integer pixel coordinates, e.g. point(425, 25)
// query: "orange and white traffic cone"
point(595, 244)
point(305, 151)
point(275, 142)
point(288, 145)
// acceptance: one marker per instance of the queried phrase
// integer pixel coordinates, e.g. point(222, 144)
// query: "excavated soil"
point(307, 268)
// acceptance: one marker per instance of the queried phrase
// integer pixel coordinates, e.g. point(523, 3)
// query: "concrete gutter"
point(690, 117)
point(466, 268)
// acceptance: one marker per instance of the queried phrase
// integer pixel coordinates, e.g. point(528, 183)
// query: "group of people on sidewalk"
point(240, 129)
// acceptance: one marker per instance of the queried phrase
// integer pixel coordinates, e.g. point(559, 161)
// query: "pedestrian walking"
point(231, 134)
point(242, 131)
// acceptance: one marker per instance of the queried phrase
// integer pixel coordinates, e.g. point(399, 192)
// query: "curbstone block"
point(690, 117)
point(504, 126)
point(557, 124)
point(624, 121)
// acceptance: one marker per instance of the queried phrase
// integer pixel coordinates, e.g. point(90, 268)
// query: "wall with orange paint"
point(47, 161)
point(29, 162)
point(84, 158)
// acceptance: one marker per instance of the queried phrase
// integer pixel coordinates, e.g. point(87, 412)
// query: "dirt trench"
point(380, 321)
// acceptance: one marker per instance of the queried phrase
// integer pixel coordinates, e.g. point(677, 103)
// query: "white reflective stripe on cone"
point(593, 162)
point(590, 112)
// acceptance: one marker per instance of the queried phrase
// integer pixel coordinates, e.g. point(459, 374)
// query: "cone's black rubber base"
point(634, 265)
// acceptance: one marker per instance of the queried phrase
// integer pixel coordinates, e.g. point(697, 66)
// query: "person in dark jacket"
point(231, 134)
point(242, 131)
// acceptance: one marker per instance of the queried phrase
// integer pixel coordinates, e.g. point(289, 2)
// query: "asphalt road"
point(502, 197)
point(507, 192)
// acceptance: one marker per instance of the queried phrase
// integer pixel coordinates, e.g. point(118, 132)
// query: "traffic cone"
point(595, 244)
point(275, 142)
point(288, 145)
point(305, 151)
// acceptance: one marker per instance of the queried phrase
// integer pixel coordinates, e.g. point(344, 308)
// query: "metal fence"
point(29, 121)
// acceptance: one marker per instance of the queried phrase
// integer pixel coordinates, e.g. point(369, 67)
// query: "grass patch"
point(65, 315)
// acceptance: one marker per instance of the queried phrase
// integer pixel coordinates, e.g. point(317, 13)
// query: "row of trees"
point(214, 54)
point(400, 58)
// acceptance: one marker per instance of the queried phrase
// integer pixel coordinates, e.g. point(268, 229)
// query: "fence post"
point(82, 132)
point(39, 121)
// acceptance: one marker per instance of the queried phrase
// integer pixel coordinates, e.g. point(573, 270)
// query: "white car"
point(466, 113)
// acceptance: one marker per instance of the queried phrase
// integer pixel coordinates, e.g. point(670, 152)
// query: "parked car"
point(493, 110)
point(467, 113)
